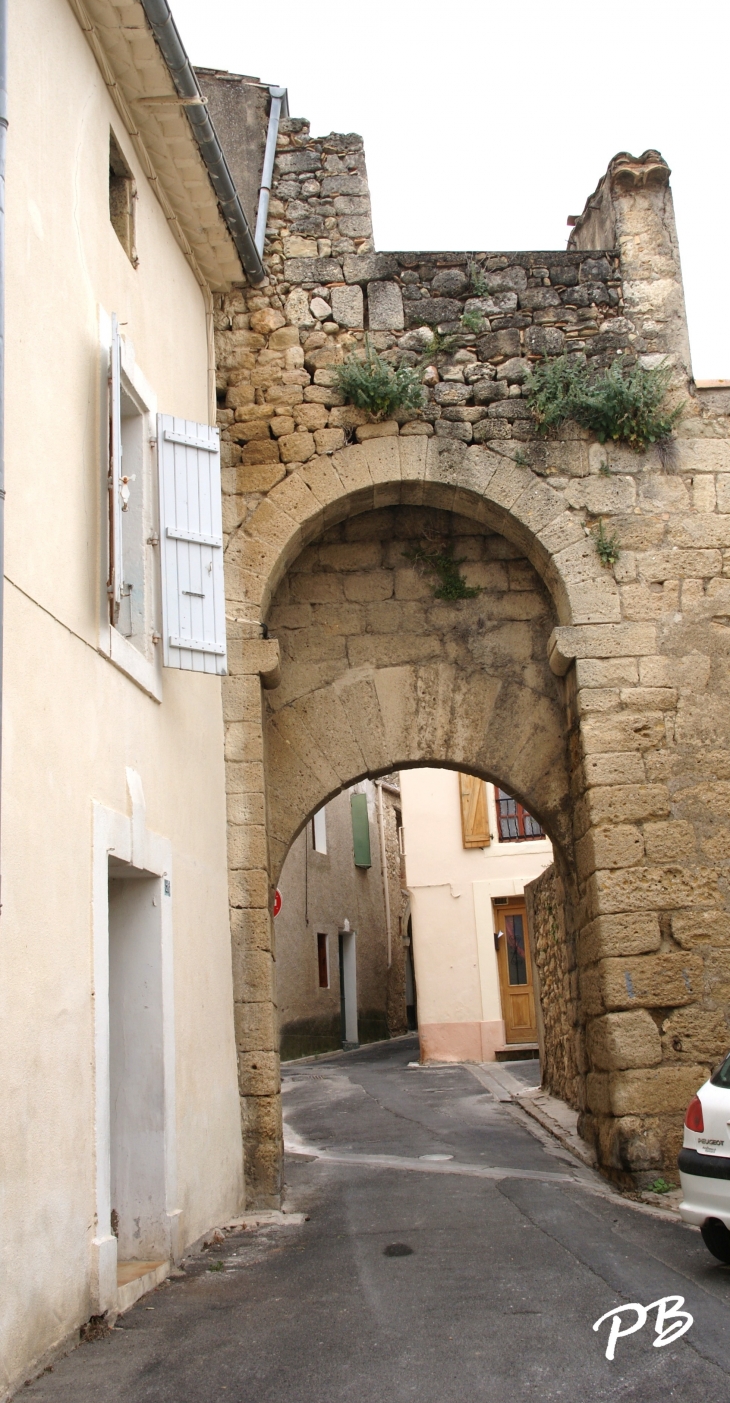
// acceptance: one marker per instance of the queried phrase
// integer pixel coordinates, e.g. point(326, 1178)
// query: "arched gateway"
point(597, 695)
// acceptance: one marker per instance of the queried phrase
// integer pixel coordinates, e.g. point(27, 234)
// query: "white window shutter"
point(191, 546)
point(115, 577)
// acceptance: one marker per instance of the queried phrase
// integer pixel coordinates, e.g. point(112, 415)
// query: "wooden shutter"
point(474, 812)
point(360, 830)
point(114, 578)
point(191, 546)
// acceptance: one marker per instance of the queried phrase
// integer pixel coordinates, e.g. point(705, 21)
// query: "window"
point(122, 200)
point(319, 831)
point(515, 824)
point(323, 962)
point(516, 963)
point(360, 830)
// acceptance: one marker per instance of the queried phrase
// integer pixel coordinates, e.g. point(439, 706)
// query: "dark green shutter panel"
point(360, 830)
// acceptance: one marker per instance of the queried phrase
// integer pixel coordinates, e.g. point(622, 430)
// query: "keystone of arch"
point(420, 471)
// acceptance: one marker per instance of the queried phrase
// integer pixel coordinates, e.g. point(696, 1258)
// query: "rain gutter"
point(196, 110)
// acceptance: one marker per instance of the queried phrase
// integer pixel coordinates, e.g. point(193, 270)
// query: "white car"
point(704, 1163)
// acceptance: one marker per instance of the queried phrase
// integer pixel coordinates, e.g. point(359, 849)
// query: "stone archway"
point(640, 813)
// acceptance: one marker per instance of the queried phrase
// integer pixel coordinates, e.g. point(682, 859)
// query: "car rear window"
point(722, 1075)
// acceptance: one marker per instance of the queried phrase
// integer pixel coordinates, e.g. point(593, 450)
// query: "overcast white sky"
point(488, 122)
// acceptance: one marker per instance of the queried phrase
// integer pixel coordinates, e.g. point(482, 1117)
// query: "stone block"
point(654, 1091)
point(630, 933)
point(630, 1144)
point(385, 307)
point(625, 803)
point(364, 267)
point(355, 226)
point(258, 1073)
point(260, 451)
point(329, 440)
point(296, 309)
point(655, 888)
point(266, 321)
point(371, 586)
point(248, 888)
point(701, 927)
point(388, 428)
point(621, 1040)
point(313, 270)
point(432, 311)
point(662, 980)
point(296, 448)
point(347, 306)
point(255, 1027)
point(695, 1034)
point(669, 841)
point(344, 185)
point(310, 416)
point(619, 845)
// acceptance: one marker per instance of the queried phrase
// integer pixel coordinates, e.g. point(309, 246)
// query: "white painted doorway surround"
point(141, 1147)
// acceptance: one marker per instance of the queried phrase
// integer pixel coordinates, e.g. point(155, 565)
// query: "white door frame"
point(129, 840)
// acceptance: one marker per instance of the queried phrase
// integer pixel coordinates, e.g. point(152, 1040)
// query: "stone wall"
point(556, 987)
point(638, 801)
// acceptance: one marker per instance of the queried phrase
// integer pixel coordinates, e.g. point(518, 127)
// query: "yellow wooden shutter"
point(474, 813)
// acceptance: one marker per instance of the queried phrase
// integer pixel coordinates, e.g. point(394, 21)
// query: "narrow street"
point(450, 1250)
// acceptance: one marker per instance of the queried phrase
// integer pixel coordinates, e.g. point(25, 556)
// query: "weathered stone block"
point(385, 307)
point(654, 1092)
point(621, 1040)
point(296, 448)
point(313, 270)
point(347, 306)
point(663, 980)
point(255, 1027)
point(627, 934)
point(259, 452)
point(658, 888)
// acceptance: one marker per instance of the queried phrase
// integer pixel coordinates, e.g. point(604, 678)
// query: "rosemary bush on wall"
point(445, 566)
point(621, 403)
point(377, 387)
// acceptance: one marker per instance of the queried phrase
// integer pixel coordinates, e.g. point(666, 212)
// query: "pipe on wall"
point(384, 868)
point(196, 110)
point(278, 96)
point(3, 143)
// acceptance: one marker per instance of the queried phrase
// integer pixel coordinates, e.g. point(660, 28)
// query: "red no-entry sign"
point(277, 902)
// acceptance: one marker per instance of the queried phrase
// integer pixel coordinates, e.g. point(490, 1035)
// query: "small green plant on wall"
point(625, 404)
point(370, 383)
point(473, 321)
point(608, 547)
point(441, 560)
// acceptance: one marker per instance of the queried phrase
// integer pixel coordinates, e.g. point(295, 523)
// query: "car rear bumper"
point(705, 1181)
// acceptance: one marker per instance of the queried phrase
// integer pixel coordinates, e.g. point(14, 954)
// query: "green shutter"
point(360, 830)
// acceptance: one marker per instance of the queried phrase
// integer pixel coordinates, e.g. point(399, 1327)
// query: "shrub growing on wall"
point(374, 385)
point(621, 403)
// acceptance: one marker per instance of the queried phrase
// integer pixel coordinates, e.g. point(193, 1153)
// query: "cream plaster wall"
point(73, 723)
point(451, 889)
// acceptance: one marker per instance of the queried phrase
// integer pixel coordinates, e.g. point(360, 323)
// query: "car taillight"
point(693, 1119)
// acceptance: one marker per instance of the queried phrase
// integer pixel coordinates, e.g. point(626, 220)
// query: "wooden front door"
point(515, 972)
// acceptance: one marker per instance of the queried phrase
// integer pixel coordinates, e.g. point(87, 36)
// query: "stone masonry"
point(615, 730)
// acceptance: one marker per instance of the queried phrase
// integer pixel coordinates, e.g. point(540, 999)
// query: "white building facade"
point(469, 852)
point(120, 1110)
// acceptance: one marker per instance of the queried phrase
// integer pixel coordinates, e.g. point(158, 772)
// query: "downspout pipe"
point(196, 110)
point(3, 144)
point(384, 869)
point(278, 96)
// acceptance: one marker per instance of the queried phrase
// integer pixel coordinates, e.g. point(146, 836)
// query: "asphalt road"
point(476, 1275)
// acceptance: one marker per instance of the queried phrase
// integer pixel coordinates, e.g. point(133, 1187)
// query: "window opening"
point(319, 831)
point(323, 963)
point(515, 823)
point(516, 963)
point(122, 200)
